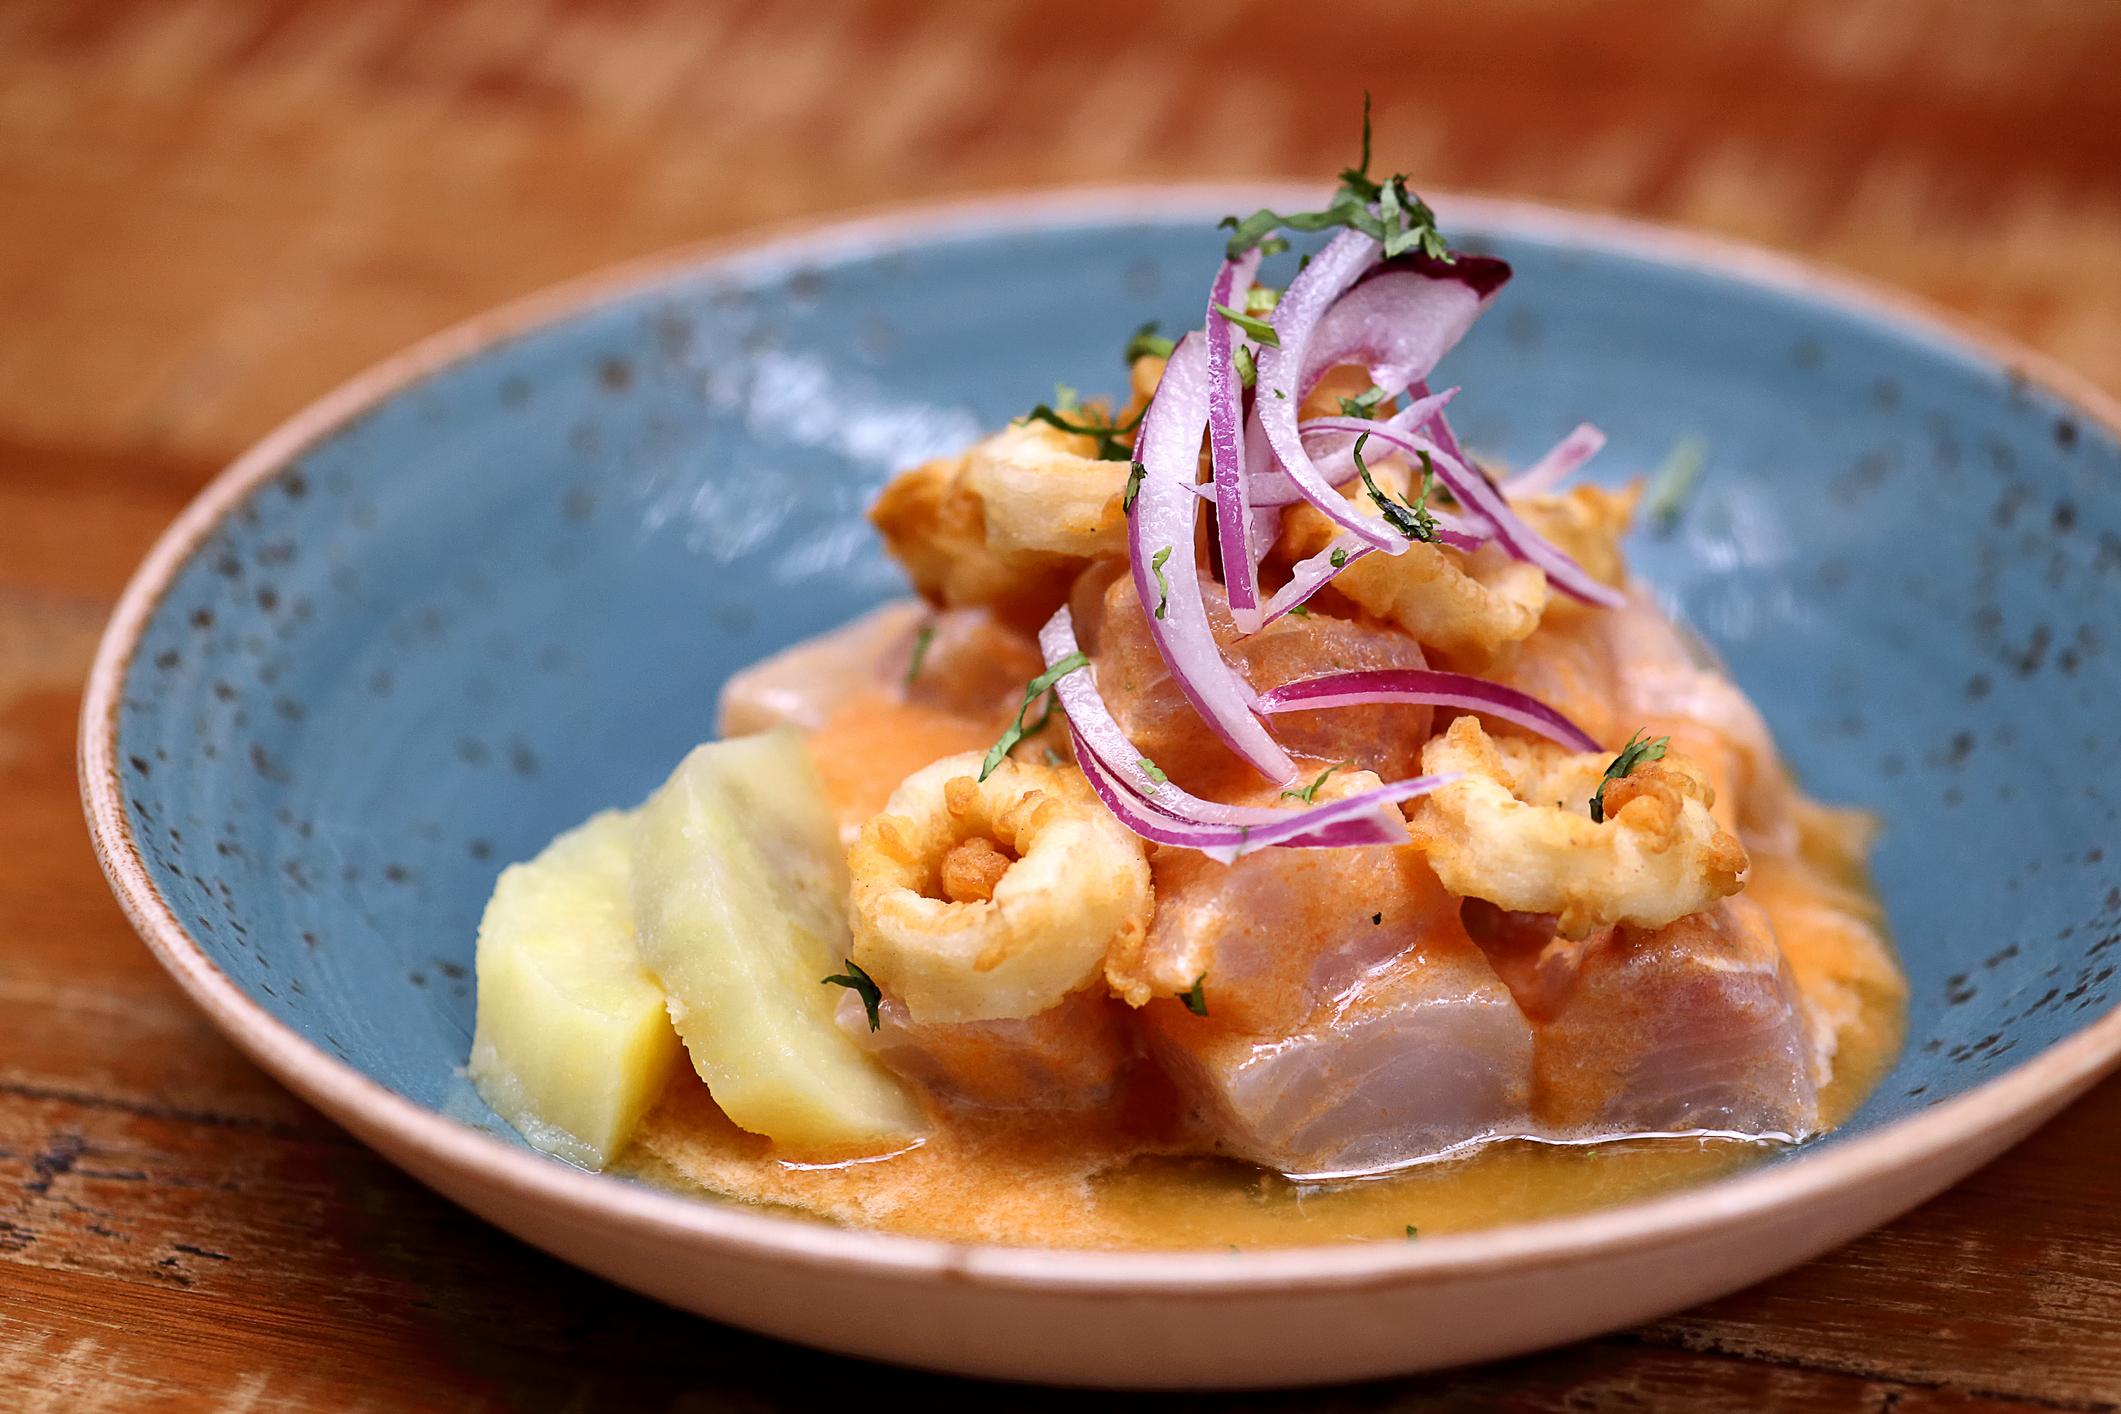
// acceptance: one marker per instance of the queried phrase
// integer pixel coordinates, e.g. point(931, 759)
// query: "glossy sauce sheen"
point(1118, 1177)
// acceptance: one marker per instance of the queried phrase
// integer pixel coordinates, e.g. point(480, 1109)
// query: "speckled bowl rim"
point(366, 1106)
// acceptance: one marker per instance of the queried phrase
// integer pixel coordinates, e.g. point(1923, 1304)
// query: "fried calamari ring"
point(980, 900)
point(1468, 607)
point(1516, 831)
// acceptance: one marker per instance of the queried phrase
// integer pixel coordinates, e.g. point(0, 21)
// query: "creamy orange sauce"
point(1112, 1180)
point(874, 741)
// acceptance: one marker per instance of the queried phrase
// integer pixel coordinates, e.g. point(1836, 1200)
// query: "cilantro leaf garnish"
point(1153, 771)
point(1632, 755)
point(1401, 221)
point(1357, 178)
point(1196, 999)
point(1339, 558)
point(1147, 343)
point(921, 640)
point(858, 982)
point(1258, 328)
point(1115, 440)
point(1017, 731)
point(1363, 404)
point(1309, 794)
point(1412, 521)
point(1163, 586)
point(1412, 1232)
point(1134, 488)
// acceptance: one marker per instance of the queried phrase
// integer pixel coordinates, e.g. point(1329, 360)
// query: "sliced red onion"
point(1163, 520)
point(1226, 452)
point(1311, 575)
point(1571, 452)
point(1441, 427)
point(1339, 467)
point(1459, 530)
point(1360, 819)
point(1478, 496)
point(1399, 322)
point(1280, 381)
point(1428, 687)
point(1095, 725)
point(1271, 489)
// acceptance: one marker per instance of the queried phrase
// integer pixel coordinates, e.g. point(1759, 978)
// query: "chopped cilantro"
point(1309, 794)
point(1339, 558)
point(1114, 439)
point(1134, 488)
point(1196, 1001)
point(1163, 586)
point(1017, 731)
point(1300, 611)
point(858, 982)
point(1412, 1232)
point(1152, 771)
point(1412, 521)
point(1258, 328)
point(1363, 404)
point(1632, 755)
point(1147, 343)
point(921, 640)
point(1401, 220)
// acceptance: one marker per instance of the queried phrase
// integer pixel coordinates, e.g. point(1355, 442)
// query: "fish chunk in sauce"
point(1423, 1053)
point(1695, 1026)
point(1137, 687)
point(1073, 1056)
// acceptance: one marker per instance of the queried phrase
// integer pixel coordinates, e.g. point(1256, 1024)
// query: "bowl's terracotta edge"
point(366, 1106)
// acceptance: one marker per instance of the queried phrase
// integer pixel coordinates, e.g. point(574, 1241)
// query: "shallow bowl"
point(494, 584)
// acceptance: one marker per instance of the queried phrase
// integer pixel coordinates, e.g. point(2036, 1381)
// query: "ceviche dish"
point(1268, 822)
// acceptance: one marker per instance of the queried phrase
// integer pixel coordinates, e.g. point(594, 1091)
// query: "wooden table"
point(213, 210)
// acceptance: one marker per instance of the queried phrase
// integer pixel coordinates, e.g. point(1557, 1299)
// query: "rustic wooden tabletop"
point(213, 210)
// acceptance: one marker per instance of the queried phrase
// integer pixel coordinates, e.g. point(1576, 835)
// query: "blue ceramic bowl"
point(495, 585)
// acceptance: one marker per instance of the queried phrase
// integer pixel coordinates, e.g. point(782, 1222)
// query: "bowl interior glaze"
point(505, 595)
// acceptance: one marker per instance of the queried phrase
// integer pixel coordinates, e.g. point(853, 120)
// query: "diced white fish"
point(800, 686)
point(1695, 1026)
point(1073, 1056)
point(960, 661)
point(1630, 669)
point(1421, 1056)
point(1278, 932)
point(1448, 1043)
point(1138, 689)
point(1668, 682)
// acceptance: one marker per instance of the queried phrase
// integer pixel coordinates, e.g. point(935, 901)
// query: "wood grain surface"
point(213, 210)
